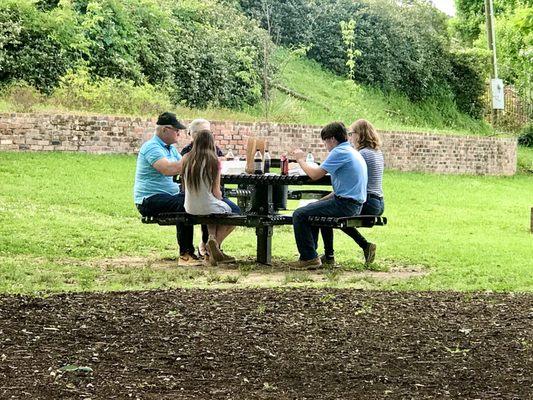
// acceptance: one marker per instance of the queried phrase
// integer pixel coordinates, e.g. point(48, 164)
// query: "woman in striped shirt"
point(367, 141)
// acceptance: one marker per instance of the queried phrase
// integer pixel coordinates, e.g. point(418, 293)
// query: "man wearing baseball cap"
point(155, 192)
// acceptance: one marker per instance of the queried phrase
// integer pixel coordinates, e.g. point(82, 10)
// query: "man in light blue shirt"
point(349, 180)
point(155, 191)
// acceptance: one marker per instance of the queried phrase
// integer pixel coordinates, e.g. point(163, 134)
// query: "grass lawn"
point(67, 222)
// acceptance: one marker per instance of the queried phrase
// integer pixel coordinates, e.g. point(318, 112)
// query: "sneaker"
point(210, 261)
point(189, 260)
point(327, 260)
point(214, 250)
point(226, 258)
point(306, 264)
point(202, 249)
point(370, 253)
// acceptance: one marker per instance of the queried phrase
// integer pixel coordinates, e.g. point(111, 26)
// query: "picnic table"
point(261, 197)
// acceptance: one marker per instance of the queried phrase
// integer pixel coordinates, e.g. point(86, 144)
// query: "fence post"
point(531, 228)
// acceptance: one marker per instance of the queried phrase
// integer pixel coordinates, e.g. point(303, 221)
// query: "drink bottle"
point(310, 158)
point(258, 163)
point(284, 164)
point(266, 162)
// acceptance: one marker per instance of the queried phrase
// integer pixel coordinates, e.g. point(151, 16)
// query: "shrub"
point(22, 96)
point(526, 136)
point(109, 95)
point(219, 56)
point(29, 49)
point(468, 75)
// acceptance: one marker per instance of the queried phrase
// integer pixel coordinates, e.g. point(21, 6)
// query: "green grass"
point(67, 222)
point(525, 159)
point(331, 97)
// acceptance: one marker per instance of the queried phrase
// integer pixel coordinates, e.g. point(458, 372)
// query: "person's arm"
point(158, 158)
point(314, 172)
point(167, 167)
point(216, 187)
point(328, 196)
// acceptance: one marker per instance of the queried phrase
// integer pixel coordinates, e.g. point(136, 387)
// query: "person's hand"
point(298, 154)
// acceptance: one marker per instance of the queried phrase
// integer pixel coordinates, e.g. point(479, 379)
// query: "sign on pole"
point(497, 94)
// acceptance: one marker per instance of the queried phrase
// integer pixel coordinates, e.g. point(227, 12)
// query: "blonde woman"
point(203, 196)
point(367, 141)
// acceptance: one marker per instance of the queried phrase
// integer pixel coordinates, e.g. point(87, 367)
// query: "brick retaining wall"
point(405, 151)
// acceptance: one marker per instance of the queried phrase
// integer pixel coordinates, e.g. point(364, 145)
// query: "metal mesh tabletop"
point(274, 179)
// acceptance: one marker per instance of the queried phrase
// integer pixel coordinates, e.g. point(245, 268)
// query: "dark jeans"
point(160, 203)
point(307, 236)
point(373, 206)
point(234, 209)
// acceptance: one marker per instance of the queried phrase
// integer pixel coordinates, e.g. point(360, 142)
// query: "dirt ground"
point(267, 344)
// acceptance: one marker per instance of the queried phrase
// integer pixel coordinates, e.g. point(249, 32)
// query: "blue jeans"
point(372, 206)
point(307, 236)
point(161, 203)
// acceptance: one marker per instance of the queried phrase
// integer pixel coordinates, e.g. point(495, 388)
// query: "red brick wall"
point(405, 151)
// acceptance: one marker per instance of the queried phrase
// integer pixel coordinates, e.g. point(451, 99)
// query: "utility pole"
point(496, 84)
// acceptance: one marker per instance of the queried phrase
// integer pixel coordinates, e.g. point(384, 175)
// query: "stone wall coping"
point(100, 117)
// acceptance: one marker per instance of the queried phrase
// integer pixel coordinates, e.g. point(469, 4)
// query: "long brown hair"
point(201, 164)
point(365, 135)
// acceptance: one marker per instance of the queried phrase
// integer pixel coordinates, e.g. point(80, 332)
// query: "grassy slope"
point(62, 213)
point(335, 98)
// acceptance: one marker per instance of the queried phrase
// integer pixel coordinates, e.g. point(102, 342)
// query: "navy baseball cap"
point(168, 118)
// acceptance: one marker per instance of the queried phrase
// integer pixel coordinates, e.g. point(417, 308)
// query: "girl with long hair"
point(367, 141)
point(203, 196)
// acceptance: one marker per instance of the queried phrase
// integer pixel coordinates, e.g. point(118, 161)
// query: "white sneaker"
point(202, 249)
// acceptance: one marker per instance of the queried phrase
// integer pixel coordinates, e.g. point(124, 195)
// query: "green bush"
point(78, 91)
point(206, 53)
point(22, 96)
point(218, 55)
point(29, 49)
point(468, 75)
point(526, 136)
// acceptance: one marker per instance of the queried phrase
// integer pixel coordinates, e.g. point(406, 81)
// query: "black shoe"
point(327, 260)
point(370, 253)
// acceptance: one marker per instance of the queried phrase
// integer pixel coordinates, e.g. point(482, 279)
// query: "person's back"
point(201, 200)
point(348, 172)
point(375, 165)
point(201, 176)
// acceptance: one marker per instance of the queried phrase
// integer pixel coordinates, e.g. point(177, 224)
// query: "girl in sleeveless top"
point(203, 196)
point(367, 141)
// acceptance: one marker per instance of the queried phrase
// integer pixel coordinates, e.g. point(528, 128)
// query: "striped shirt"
point(375, 166)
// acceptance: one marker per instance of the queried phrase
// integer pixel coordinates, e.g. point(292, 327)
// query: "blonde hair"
point(365, 135)
point(197, 125)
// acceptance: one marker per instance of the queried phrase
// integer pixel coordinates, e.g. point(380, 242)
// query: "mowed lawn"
point(65, 218)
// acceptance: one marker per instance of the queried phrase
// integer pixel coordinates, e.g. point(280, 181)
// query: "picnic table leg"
point(264, 244)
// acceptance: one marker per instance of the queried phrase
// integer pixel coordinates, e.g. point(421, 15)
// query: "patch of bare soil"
point(258, 275)
point(267, 344)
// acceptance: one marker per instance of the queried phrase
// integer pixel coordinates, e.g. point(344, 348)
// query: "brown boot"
point(306, 264)
point(189, 260)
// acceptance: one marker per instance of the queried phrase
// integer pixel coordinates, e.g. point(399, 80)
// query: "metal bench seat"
point(365, 221)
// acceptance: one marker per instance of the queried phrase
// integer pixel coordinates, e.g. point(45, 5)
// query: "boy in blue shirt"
point(349, 180)
point(155, 191)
